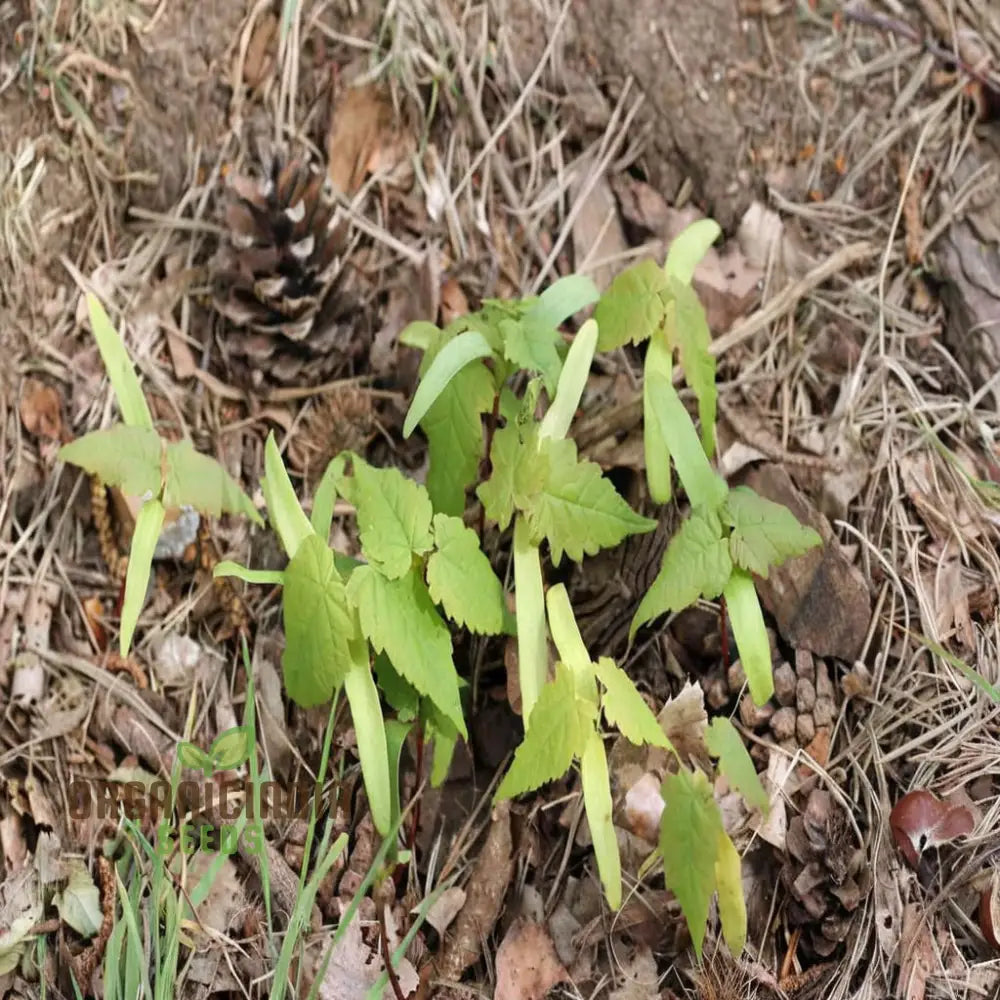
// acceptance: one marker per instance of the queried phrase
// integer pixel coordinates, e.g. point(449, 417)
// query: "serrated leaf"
point(454, 430)
point(764, 533)
point(199, 481)
point(401, 696)
point(79, 904)
point(631, 308)
point(118, 365)
point(399, 617)
point(283, 508)
point(518, 472)
point(127, 457)
point(688, 248)
point(725, 742)
point(231, 748)
point(394, 518)
point(145, 535)
point(318, 625)
point(449, 361)
point(577, 510)
point(732, 906)
point(704, 487)
point(693, 339)
point(558, 730)
point(690, 829)
point(572, 382)
point(533, 347)
point(369, 727)
point(624, 707)
point(656, 447)
point(420, 334)
point(695, 564)
point(747, 621)
point(596, 784)
point(461, 579)
point(194, 757)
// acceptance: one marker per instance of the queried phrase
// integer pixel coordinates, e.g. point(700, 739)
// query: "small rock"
point(805, 695)
point(717, 692)
point(783, 724)
point(824, 712)
point(754, 716)
point(736, 677)
point(805, 666)
point(805, 729)
point(784, 683)
point(824, 686)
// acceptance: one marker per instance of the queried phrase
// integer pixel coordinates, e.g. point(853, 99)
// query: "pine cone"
point(278, 279)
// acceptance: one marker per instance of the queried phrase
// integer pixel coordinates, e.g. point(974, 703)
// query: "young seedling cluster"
point(381, 629)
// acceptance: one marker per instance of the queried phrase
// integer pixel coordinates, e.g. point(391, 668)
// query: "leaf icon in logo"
point(231, 748)
point(194, 757)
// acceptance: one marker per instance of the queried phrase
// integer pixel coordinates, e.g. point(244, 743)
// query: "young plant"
point(731, 534)
point(162, 475)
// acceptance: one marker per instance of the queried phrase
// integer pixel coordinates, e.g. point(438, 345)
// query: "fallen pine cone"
point(279, 279)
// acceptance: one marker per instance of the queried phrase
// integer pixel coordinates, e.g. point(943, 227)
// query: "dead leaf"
point(362, 123)
point(684, 721)
point(453, 301)
point(20, 910)
point(13, 847)
point(445, 908)
point(79, 903)
point(598, 237)
point(527, 963)
point(774, 827)
point(640, 977)
point(768, 243)
point(919, 958)
point(485, 894)
point(41, 410)
point(641, 203)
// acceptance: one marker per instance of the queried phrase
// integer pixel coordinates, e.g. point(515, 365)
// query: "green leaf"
point(454, 430)
point(732, 906)
point(420, 334)
point(394, 518)
point(577, 509)
point(688, 248)
point(450, 360)
point(118, 365)
point(318, 625)
point(194, 757)
point(764, 533)
point(79, 904)
point(705, 488)
point(656, 447)
point(534, 348)
point(401, 696)
point(261, 576)
point(140, 563)
point(325, 497)
point(695, 564)
point(625, 709)
point(398, 616)
point(631, 309)
point(519, 471)
point(694, 338)
point(596, 784)
point(562, 299)
point(461, 579)
point(725, 742)
point(565, 632)
point(529, 606)
point(127, 457)
point(747, 621)
point(690, 829)
point(283, 508)
point(198, 481)
point(395, 736)
point(444, 737)
point(558, 730)
point(369, 728)
point(572, 382)
point(230, 748)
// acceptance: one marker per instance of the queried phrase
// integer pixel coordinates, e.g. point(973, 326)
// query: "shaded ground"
point(484, 152)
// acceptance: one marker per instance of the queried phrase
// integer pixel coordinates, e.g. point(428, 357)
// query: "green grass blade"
point(449, 361)
point(262, 576)
point(140, 563)
point(124, 381)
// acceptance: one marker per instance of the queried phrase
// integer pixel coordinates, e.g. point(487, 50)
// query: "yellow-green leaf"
point(632, 307)
point(735, 762)
point(127, 457)
point(145, 535)
point(624, 707)
point(199, 481)
point(118, 365)
point(732, 906)
point(747, 621)
point(764, 533)
point(596, 784)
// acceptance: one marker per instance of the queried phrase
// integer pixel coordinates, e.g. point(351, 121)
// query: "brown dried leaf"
point(453, 301)
point(41, 410)
point(919, 958)
point(684, 720)
point(485, 894)
point(362, 123)
point(598, 237)
point(527, 963)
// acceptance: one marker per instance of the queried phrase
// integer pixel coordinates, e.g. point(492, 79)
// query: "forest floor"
point(482, 151)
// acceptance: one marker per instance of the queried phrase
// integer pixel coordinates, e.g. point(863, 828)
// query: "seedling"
point(164, 475)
